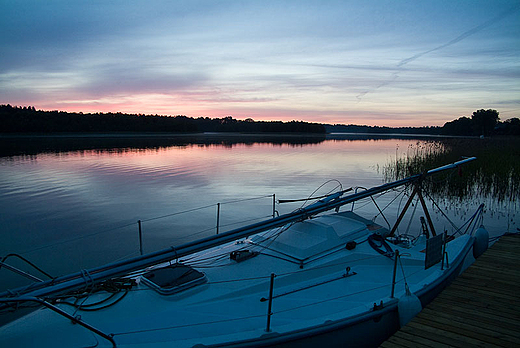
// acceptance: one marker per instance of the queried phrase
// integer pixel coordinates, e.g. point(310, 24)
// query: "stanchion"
point(269, 306)
point(396, 255)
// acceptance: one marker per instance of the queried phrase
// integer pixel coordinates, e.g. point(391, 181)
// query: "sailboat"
point(315, 276)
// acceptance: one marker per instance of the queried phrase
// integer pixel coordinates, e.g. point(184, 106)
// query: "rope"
point(187, 325)
point(175, 251)
point(85, 274)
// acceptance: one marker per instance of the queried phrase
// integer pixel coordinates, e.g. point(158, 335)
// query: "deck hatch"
point(173, 278)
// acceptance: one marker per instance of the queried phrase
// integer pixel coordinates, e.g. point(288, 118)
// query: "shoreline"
point(165, 135)
point(155, 135)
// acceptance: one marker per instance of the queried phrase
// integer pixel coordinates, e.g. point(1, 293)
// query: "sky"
point(386, 63)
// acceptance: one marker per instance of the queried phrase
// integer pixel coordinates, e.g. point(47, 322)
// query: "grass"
point(495, 173)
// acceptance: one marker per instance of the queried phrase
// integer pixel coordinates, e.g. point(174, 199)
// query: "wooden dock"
point(481, 308)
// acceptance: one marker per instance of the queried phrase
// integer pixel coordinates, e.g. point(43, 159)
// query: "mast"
point(120, 268)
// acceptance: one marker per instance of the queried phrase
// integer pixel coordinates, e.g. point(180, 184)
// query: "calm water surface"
point(77, 209)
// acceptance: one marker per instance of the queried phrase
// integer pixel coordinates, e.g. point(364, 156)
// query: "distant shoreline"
point(158, 135)
point(27, 121)
point(339, 135)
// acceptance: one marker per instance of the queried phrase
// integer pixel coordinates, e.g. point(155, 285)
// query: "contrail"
point(459, 38)
point(463, 35)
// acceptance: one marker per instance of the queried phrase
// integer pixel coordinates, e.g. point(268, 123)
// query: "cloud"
point(457, 39)
point(464, 35)
point(269, 58)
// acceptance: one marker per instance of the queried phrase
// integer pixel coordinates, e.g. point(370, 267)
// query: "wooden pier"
point(481, 308)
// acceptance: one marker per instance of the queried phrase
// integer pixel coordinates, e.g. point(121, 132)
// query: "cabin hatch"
point(173, 278)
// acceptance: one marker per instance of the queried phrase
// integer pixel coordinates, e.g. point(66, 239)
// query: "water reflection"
point(81, 203)
point(122, 143)
point(31, 145)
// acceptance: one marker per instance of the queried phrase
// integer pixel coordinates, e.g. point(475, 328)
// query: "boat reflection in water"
point(304, 278)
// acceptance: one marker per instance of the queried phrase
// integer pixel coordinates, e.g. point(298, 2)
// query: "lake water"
point(68, 209)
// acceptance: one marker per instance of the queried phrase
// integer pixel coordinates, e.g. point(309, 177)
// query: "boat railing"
point(119, 268)
point(270, 301)
point(356, 190)
point(74, 319)
point(396, 279)
point(141, 224)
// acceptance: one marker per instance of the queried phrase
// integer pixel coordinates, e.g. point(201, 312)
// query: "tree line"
point(15, 119)
point(353, 128)
point(482, 122)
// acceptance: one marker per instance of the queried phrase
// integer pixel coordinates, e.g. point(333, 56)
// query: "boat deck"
point(479, 309)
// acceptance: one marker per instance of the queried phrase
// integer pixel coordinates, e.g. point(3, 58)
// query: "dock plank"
point(482, 313)
point(479, 309)
point(492, 334)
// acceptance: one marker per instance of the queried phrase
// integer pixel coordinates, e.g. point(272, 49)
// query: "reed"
point(495, 173)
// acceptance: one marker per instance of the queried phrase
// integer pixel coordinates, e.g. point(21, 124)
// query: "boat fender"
point(351, 245)
point(480, 244)
point(408, 307)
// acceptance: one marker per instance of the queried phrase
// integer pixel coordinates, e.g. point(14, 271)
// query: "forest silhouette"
point(27, 119)
point(30, 120)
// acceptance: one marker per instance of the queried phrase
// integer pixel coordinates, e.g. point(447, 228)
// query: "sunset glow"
point(387, 63)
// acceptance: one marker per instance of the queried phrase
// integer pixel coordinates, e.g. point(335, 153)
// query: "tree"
point(461, 126)
point(484, 121)
point(512, 126)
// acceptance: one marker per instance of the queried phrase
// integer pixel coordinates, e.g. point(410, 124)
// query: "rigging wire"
point(188, 325)
point(392, 201)
point(178, 213)
point(70, 240)
point(26, 261)
point(276, 234)
point(246, 199)
point(342, 296)
point(339, 185)
point(411, 217)
point(76, 238)
point(257, 316)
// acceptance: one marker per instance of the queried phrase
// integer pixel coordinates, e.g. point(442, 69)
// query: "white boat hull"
point(311, 305)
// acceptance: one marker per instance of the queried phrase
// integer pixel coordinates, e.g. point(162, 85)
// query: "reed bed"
point(495, 173)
